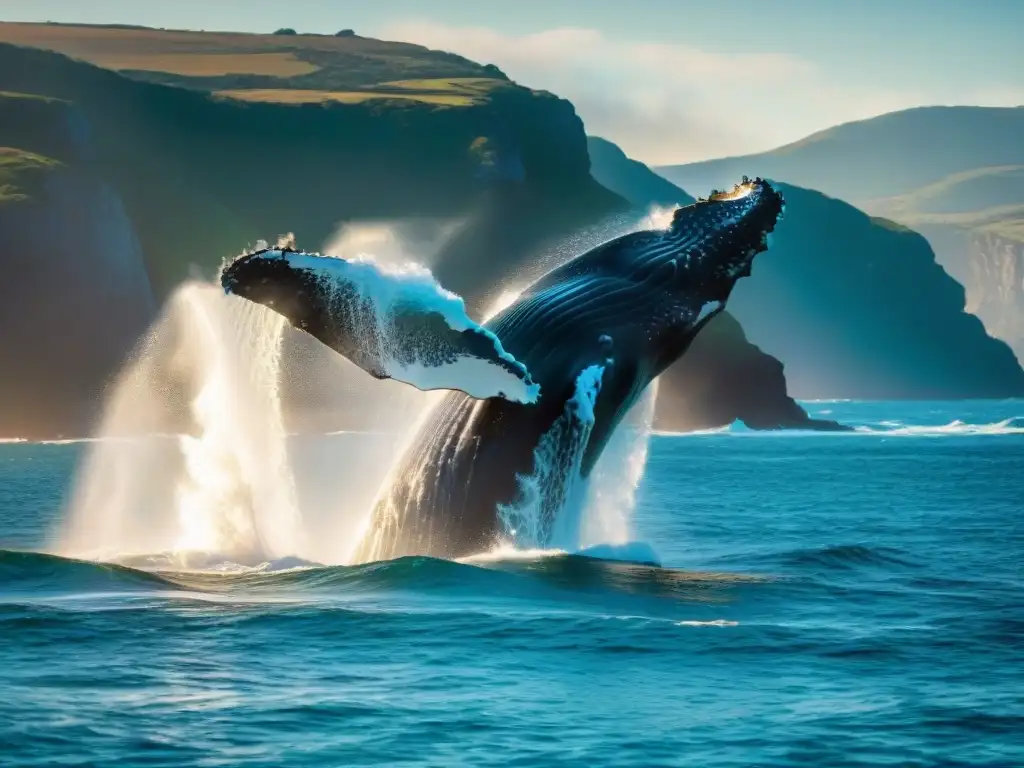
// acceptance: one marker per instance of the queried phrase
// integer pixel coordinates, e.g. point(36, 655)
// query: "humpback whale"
point(499, 460)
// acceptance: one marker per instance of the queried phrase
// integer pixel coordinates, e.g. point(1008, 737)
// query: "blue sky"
point(670, 80)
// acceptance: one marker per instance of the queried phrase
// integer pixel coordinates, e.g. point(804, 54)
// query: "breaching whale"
point(573, 354)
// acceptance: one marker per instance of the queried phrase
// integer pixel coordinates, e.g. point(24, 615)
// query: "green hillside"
point(986, 200)
point(885, 156)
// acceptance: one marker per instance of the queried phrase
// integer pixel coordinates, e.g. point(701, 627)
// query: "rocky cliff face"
point(724, 378)
point(857, 307)
point(991, 269)
point(74, 300)
point(995, 287)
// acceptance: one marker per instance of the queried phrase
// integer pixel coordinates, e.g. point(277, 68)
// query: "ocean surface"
point(821, 600)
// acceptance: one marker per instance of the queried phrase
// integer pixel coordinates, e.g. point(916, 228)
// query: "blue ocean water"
point(823, 600)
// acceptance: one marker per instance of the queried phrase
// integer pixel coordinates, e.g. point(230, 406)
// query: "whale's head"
point(718, 237)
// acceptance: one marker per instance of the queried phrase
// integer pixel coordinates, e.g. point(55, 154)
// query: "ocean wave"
point(846, 557)
point(711, 623)
point(887, 428)
point(76, 440)
point(32, 575)
point(1011, 426)
point(693, 433)
point(40, 574)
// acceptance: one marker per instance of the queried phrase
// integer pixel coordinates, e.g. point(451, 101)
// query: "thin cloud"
point(668, 103)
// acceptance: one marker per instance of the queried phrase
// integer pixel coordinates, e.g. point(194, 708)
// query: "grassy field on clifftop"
point(450, 92)
point(275, 68)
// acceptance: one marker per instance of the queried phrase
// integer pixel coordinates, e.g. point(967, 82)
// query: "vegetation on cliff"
point(204, 176)
point(22, 174)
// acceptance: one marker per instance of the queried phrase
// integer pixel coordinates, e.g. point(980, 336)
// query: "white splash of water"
point(377, 529)
point(236, 495)
point(657, 217)
point(546, 512)
point(615, 478)
point(144, 489)
point(393, 242)
point(208, 367)
point(557, 508)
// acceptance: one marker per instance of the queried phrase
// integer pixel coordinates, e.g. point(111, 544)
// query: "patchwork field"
point(452, 92)
point(273, 67)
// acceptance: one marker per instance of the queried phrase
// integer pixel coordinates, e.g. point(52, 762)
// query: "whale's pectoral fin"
point(393, 324)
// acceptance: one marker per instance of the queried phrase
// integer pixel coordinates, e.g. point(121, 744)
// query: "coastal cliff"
point(203, 175)
point(75, 298)
point(183, 179)
point(990, 265)
point(857, 307)
point(954, 174)
point(975, 222)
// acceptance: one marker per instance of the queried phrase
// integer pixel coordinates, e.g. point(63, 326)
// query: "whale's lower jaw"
point(621, 314)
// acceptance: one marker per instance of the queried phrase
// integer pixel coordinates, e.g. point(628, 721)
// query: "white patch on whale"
point(707, 309)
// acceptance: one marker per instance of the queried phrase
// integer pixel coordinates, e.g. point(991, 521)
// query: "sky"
point(668, 80)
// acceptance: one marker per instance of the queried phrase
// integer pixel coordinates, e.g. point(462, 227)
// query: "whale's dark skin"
point(631, 305)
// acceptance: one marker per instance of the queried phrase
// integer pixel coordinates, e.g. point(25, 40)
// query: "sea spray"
point(219, 485)
point(557, 508)
point(191, 464)
point(380, 521)
point(236, 495)
point(192, 453)
point(615, 478)
point(545, 513)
